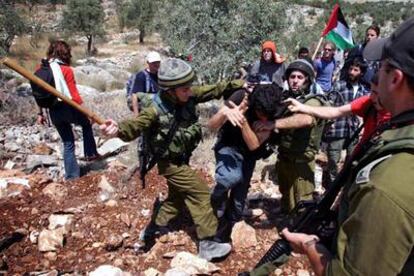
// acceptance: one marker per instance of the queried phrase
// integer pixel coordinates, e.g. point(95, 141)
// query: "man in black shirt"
point(238, 147)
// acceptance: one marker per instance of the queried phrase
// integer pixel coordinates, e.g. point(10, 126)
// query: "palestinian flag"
point(337, 30)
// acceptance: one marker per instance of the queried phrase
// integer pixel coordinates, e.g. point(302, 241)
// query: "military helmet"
point(174, 73)
point(302, 65)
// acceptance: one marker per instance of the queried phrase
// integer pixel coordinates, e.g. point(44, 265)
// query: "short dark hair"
point(268, 99)
point(359, 62)
point(303, 50)
point(375, 28)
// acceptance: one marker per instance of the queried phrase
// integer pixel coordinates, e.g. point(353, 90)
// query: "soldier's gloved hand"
point(109, 128)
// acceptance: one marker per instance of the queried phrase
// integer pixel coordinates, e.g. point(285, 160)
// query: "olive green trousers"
point(186, 188)
point(296, 181)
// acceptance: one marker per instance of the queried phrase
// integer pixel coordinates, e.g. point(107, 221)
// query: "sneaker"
point(208, 249)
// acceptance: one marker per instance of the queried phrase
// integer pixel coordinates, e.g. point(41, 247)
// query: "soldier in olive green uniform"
point(376, 212)
point(172, 116)
point(300, 136)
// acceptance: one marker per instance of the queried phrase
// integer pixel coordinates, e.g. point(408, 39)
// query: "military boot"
point(148, 235)
point(209, 249)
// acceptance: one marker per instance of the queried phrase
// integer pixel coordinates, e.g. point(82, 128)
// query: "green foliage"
point(84, 17)
point(220, 34)
point(139, 14)
point(11, 25)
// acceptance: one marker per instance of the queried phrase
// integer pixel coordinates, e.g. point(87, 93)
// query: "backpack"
point(42, 97)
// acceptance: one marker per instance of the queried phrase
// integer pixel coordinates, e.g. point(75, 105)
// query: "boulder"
point(243, 236)
point(193, 265)
point(108, 270)
point(35, 160)
point(51, 240)
point(112, 146)
point(55, 191)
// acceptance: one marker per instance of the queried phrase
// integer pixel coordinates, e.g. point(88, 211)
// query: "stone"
point(111, 146)
point(108, 270)
point(243, 236)
point(107, 191)
point(12, 186)
point(152, 272)
point(192, 264)
point(9, 165)
point(111, 203)
point(55, 191)
point(50, 240)
point(125, 219)
point(302, 272)
point(34, 235)
point(113, 242)
point(176, 272)
point(34, 161)
point(11, 146)
point(56, 221)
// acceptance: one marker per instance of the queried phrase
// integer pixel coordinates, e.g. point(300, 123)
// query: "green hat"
point(174, 73)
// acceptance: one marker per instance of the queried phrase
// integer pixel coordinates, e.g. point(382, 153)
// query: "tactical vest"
point(188, 133)
point(302, 144)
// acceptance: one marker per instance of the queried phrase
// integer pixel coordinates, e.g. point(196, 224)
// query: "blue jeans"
point(233, 173)
point(63, 116)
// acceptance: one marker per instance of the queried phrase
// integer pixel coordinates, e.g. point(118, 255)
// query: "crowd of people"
point(301, 108)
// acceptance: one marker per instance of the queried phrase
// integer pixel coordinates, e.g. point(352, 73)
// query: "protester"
point(300, 137)
point(372, 32)
point(63, 115)
point(303, 52)
point(171, 129)
point(376, 203)
point(338, 136)
point(326, 66)
point(144, 81)
point(270, 68)
point(367, 107)
point(238, 147)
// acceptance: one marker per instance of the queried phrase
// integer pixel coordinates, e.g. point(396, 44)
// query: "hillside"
point(56, 227)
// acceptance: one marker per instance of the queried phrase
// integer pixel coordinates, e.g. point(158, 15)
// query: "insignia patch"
point(363, 174)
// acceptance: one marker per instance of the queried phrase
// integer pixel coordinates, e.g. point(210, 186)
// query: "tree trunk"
point(141, 35)
point(89, 50)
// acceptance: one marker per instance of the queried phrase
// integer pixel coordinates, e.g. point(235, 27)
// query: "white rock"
point(302, 272)
point(108, 270)
point(152, 272)
point(50, 240)
point(176, 272)
point(9, 165)
point(56, 221)
point(34, 236)
point(243, 236)
point(192, 264)
point(36, 160)
point(111, 146)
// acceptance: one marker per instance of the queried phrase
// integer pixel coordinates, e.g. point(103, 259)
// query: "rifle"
point(147, 161)
point(31, 77)
point(312, 217)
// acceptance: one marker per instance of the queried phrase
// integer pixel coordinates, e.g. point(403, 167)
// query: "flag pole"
point(317, 48)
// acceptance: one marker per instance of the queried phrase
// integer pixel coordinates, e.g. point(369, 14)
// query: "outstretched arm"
point(324, 112)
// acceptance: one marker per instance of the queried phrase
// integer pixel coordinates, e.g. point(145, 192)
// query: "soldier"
point(376, 213)
point(170, 126)
point(300, 137)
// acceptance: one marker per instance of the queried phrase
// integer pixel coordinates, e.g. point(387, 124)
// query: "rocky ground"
point(74, 227)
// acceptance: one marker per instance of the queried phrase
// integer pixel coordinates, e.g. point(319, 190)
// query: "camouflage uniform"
point(376, 214)
point(296, 161)
point(185, 187)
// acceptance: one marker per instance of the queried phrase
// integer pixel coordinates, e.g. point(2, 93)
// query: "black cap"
point(397, 48)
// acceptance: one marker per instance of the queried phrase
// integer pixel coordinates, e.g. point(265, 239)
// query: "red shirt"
point(70, 81)
point(372, 118)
